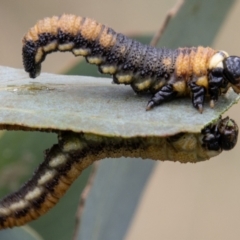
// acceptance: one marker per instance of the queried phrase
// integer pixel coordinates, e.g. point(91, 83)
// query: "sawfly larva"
point(195, 71)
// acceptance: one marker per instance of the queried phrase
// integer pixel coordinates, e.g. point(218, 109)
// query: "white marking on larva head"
point(126, 78)
point(65, 46)
point(81, 51)
point(95, 60)
point(46, 177)
point(39, 55)
point(18, 205)
point(217, 59)
point(35, 193)
point(50, 47)
point(57, 160)
point(219, 65)
point(108, 69)
point(73, 145)
point(4, 211)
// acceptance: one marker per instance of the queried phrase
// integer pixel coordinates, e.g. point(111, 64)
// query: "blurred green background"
point(181, 201)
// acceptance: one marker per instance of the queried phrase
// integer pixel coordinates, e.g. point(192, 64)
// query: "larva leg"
point(216, 82)
point(166, 93)
point(198, 96)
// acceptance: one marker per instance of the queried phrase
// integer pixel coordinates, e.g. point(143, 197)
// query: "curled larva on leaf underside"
point(74, 152)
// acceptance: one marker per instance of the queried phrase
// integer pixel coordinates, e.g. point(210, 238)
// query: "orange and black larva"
point(74, 152)
point(195, 71)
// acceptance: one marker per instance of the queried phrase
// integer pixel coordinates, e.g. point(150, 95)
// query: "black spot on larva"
point(21, 213)
point(46, 38)
point(97, 50)
point(28, 52)
point(2, 220)
point(52, 184)
point(80, 41)
point(64, 37)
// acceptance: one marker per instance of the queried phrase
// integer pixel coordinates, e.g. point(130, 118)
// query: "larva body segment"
point(74, 152)
point(195, 71)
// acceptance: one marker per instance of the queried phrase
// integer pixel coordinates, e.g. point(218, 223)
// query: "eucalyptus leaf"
point(87, 104)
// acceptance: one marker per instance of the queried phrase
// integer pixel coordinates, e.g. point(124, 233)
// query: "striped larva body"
point(65, 161)
point(196, 71)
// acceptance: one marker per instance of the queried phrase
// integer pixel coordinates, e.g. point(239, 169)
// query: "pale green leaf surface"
point(88, 104)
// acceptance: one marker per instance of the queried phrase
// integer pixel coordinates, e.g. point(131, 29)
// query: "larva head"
point(231, 72)
point(220, 136)
point(228, 130)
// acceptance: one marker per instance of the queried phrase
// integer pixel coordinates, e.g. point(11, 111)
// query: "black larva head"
point(222, 135)
point(231, 71)
point(228, 130)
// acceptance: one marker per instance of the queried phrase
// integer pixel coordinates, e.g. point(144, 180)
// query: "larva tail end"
point(29, 52)
point(35, 72)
